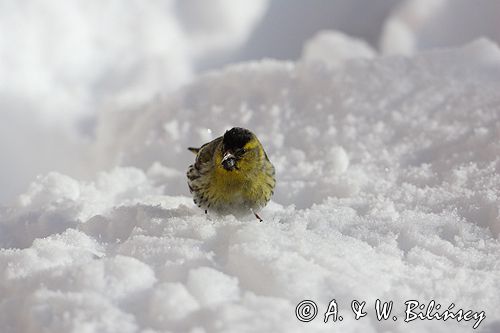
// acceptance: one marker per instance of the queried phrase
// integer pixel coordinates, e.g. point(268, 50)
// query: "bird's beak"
point(229, 161)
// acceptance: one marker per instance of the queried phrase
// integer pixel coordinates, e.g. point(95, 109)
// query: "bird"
point(232, 174)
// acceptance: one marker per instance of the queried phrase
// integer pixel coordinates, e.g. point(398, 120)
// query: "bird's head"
point(240, 150)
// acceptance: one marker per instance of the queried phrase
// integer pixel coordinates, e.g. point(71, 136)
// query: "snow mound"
point(417, 25)
point(388, 187)
point(334, 48)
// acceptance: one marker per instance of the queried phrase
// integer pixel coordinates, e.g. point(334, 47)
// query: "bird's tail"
point(194, 150)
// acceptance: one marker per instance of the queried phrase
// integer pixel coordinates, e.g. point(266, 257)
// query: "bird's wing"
point(207, 151)
point(196, 150)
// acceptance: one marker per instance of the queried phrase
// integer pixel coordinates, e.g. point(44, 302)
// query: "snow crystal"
point(210, 286)
point(171, 302)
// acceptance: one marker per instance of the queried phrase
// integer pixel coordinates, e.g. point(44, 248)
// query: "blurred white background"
point(62, 63)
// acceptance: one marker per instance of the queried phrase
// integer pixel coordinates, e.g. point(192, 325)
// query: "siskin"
point(232, 174)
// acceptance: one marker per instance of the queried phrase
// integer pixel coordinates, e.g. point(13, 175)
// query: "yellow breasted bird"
point(232, 174)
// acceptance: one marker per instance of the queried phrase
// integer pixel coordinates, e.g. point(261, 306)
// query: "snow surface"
point(388, 187)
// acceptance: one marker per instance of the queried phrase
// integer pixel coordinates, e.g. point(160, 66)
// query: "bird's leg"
point(209, 216)
point(257, 216)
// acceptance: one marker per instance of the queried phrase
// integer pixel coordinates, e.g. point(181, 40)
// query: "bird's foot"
point(258, 217)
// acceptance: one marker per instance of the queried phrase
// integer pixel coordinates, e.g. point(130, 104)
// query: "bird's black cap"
point(236, 138)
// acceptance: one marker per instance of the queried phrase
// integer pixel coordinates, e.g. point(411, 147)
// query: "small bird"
point(232, 174)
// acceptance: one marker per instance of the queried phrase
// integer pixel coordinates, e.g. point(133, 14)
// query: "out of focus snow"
point(388, 171)
point(63, 62)
point(334, 48)
point(417, 25)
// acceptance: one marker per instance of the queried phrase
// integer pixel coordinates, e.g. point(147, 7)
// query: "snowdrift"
point(388, 188)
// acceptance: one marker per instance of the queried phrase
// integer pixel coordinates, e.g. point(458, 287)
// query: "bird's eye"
point(240, 152)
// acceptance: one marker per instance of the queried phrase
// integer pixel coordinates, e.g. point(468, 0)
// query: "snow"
point(416, 25)
point(63, 62)
point(388, 176)
point(333, 48)
point(388, 187)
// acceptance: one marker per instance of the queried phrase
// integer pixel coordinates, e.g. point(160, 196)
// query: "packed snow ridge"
point(388, 187)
